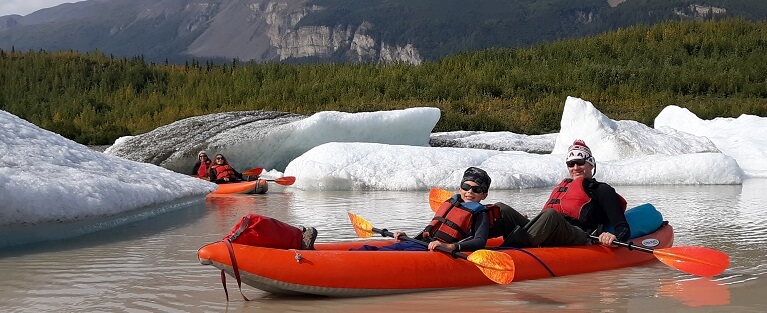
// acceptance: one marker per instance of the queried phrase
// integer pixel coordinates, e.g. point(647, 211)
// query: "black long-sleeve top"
point(605, 208)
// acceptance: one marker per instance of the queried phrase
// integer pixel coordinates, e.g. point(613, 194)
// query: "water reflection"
point(696, 292)
point(152, 265)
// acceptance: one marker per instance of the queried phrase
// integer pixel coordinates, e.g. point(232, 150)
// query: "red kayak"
point(255, 186)
point(333, 270)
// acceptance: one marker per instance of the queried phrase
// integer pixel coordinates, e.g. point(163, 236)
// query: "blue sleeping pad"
point(643, 219)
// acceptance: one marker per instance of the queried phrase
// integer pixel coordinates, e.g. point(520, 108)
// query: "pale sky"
point(24, 7)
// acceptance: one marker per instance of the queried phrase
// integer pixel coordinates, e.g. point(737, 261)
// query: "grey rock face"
point(8, 22)
point(175, 146)
point(257, 30)
point(501, 141)
point(268, 31)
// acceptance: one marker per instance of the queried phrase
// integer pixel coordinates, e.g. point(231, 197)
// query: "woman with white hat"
point(202, 166)
point(577, 206)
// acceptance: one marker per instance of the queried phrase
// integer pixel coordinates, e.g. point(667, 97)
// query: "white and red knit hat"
point(579, 150)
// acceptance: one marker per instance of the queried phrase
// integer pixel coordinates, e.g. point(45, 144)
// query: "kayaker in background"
point(461, 223)
point(579, 205)
point(222, 172)
point(200, 168)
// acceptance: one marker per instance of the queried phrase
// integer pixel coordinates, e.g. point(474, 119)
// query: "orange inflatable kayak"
point(255, 186)
point(333, 270)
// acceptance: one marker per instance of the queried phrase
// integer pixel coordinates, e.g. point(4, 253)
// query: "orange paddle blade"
point(437, 196)
point(497, 266)
point(698, 261)
point(253, 171)
point(362, 227)
point(285, 181)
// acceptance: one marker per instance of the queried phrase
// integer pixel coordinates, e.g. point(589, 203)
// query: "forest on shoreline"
point(712, 68)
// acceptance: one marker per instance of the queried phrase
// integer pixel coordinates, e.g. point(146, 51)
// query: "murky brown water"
point(151, 266)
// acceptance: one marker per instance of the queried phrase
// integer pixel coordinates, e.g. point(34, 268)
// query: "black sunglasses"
point(219, 158)
point(575, 162)
point(474, 189)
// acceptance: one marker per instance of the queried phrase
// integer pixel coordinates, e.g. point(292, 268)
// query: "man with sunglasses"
point(577, 206)
point(461, 223)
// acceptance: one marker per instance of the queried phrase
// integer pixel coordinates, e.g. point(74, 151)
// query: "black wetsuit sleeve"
point(608, 200)
point(212, 174)
point(420, 234)
point(481, 231)
point(195, 168)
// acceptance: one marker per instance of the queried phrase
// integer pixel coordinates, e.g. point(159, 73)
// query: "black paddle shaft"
point(455, 254)
point(630, 245)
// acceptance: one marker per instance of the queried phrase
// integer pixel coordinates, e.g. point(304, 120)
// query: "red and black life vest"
point(202, 171)
point(570, 199)
point(454, 219)
point(223, 171)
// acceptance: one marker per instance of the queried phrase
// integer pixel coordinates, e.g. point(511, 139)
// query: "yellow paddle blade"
point(437, 196)
point(497, 266)
point(698, 261)
point(362, 227)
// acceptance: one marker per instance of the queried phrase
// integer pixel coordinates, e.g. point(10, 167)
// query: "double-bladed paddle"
point(699, 261)
point(253, 171)
point(497, 266)
point(285, 181)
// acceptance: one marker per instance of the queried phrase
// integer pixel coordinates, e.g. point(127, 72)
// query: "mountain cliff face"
point(259, 30)
point(373, 31)
point(267, 31)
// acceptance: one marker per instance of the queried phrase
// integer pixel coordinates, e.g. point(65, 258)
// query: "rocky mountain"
point(378, 31)
point(257, 30)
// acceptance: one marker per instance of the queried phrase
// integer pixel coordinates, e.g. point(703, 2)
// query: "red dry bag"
point(262, 231)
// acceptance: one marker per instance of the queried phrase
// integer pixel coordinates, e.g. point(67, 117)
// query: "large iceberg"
point(616, 140)
point(627, 153)
point(48, 178)
point(272, 139)
point(744, 138)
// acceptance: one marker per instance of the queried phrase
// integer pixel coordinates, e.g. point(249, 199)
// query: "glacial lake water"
point(151, 265)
